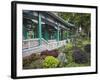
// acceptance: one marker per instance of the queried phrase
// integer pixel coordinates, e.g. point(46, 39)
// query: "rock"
point(62, 58)
point(87, 48)
point(53, 53)
point(79, 56)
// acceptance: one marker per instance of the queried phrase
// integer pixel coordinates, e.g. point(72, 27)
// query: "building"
point(43, 31)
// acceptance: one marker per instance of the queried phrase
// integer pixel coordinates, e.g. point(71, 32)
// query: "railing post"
point(29, 44)
point(61, 34)
point(58, 35)
point(39, 28)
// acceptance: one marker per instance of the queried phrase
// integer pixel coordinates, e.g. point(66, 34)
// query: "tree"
point(79, 20)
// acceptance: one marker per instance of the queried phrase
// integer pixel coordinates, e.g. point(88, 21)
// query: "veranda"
point(44, 31)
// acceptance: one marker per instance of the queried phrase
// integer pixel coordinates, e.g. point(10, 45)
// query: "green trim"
point(40, 29)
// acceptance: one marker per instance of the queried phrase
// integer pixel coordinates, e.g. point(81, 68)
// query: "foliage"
point(85, 42)
point(36, 64)
point(69, 46)
point(78, 19)
point(69, 57)
point(77, 55)
point(79, 43)
point(67, 50)
point(74, 56)
point(28, 59)
point(73, 64)
point(50, 62)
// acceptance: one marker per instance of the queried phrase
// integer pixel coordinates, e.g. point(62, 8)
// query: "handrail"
point(48, 45)
point(30, 48)
point(30, 39)
point(45, 41)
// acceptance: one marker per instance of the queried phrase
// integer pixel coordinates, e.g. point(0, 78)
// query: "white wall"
point(5, 39)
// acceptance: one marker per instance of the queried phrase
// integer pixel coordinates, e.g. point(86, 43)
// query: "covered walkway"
point(43, 30)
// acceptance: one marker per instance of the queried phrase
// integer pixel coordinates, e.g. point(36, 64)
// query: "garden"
point(71, 55)
point(76, 52)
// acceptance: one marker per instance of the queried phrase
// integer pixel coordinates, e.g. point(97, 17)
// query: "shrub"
point(50, 62)
point(85, 42)
point(67, 50)
point(79, 56)
point(69, 46)
point(28, 59)
point(73, 64)
point(69, 57)
point(79, 43)
point(36, 64)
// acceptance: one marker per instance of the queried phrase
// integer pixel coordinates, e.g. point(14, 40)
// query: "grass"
point(73, 64)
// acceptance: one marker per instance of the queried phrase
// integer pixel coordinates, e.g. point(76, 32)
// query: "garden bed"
point(66, 56)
